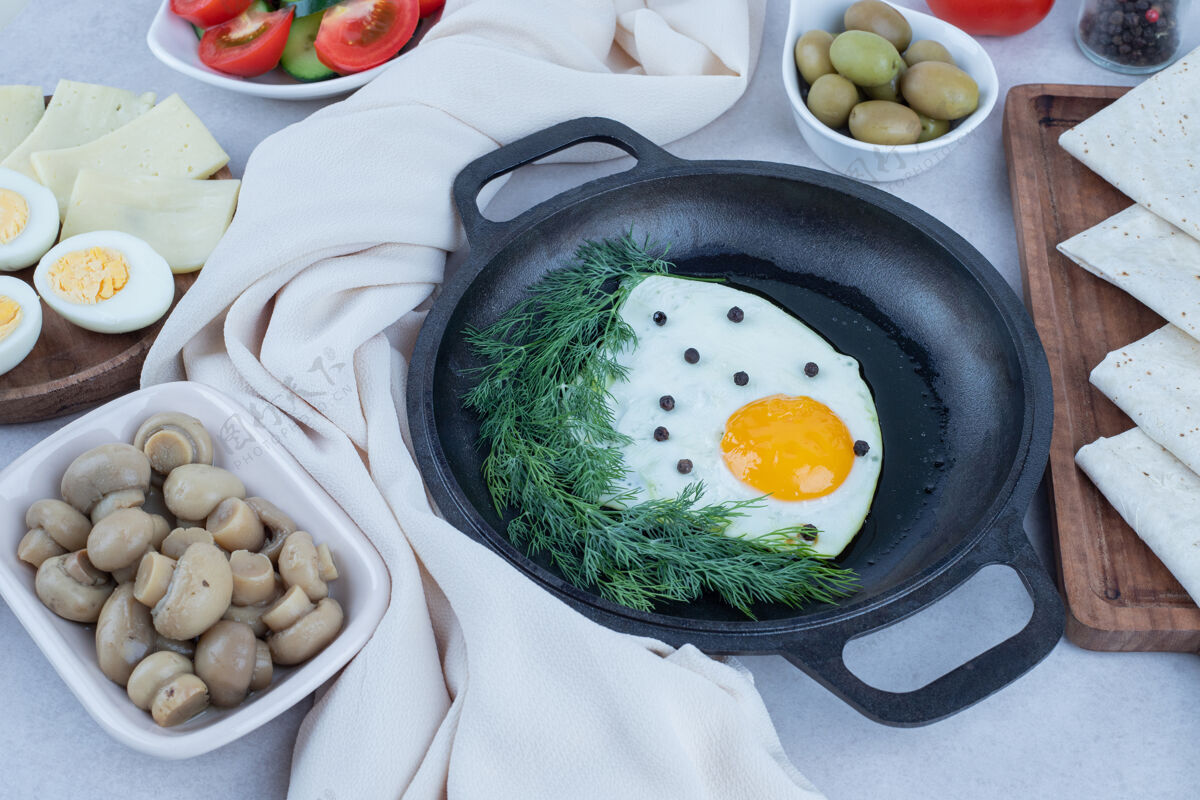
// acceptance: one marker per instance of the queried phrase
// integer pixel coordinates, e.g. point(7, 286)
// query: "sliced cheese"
point(77, 114)
point(181, 219)
point(20, 109)
point(168, 141)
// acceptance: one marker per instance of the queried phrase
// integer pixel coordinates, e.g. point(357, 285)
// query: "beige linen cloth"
point(477, 683)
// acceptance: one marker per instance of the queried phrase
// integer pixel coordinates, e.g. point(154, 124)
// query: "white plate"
point(872, 162)
point(173, 42)
point(243, 446)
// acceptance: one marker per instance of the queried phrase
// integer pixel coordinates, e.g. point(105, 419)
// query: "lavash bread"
point(1147, 144)
point(1155, 493)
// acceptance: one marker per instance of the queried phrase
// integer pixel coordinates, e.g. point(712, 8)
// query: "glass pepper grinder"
point(1131, 36)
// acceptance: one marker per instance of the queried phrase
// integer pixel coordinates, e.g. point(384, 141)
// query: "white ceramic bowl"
point(872, 162)
point(247, 449)
point(173, 42)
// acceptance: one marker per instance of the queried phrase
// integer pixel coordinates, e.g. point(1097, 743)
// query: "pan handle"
point(819, 653)
point(538, 145)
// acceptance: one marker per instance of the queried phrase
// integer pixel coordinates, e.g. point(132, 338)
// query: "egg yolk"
point(792, 448)
point(89, 276)
point(10, 316)
point(14, 215)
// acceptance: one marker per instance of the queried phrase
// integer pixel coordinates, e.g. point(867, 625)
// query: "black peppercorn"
point(811, 369)
point(691, 355)
point(684, 466)
point(661, 434)
point(741, 378)
point(1132, 33)
point(736, 314)
point(861, 448)
point(666, 402)
point(659, 318)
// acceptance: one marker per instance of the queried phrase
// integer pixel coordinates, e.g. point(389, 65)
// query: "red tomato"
point(430, 7)
point(247, 45)
point(360, 34)
point(992, 17)
point(206, 13)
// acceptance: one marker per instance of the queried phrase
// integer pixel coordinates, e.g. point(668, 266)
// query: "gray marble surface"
point(1079, 725)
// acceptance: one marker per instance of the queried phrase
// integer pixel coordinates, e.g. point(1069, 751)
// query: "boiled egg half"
point(105, 281)
point(28, 220)
point(20, 321)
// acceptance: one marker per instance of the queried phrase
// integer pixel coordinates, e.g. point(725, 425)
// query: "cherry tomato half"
point(360, 34)
point(430, 7)
point(206, 13)
point(247, 45)
point(992, 17)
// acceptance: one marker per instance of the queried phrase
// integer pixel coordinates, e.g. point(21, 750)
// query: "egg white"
point(19, 343)
point(772, 347)
point(145, 298)
point(40, 230)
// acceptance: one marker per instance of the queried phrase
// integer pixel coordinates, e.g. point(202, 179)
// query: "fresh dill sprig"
point(555, 457)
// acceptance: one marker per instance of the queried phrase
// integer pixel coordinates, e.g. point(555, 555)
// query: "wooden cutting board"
point(71, 369)
point(1119, 595)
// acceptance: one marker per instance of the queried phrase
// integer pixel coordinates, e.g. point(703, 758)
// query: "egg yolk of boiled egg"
point(792, 448)
point(89, 276)
point(14, 215)
point(10, 316)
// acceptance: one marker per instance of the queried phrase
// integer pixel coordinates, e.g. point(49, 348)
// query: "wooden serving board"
point(1119, 596)
point(71, 369)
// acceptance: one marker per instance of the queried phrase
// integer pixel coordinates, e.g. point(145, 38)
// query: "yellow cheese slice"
point(78, 113)
point(20, 109)
point(168, 141)
point(181, 219)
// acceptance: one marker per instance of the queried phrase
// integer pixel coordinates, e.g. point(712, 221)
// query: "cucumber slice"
point(299, 59)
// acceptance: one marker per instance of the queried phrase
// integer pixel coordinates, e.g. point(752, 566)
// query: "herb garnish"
point(555, 457)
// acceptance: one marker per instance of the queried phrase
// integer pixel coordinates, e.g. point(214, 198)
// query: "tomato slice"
point(360, 34)
point(206, 13)
point(430, 7)
point(247, 45)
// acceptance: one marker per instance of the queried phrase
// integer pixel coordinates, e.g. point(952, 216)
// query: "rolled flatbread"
point(1147, 257)
point(1156, 494)
point(1146, 143)
point(1156, 381)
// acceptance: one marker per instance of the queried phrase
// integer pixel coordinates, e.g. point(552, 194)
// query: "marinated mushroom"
point(161, 529)
point(274, 520)
point(182, 698)
point(151, 673)
point(325, 566)
point(36, 546)
point(171, 439)
point(298, 565)
point(153, 577)
point(180, 539)
point(250, 615)
point(225, 659)
point(253, 578)
point(235, 526)
point(110, 469)
point(124, 634)
point(308, 635)
point(71, 587)
point(192, 491)
point(120, 539)
point(263, 667)
point(61, 522)
point(200, 590)
point(290, 607)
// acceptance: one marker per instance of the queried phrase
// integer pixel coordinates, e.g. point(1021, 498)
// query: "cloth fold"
point(477, 683)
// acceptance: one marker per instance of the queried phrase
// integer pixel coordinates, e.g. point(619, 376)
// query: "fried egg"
point(105, 281)
point(20, 321)
point(725, 388)
point(28, 220)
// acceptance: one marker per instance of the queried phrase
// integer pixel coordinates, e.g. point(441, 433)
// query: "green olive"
point(939, 90)
point(889, 90)
point(831, 98)
point(927, 50)
point(878, 17)
point(932, 128)
point(812, 55)
point(884, 122)
point(865, 58)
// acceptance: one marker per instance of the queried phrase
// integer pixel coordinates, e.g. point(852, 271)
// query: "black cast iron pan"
point(959, 377)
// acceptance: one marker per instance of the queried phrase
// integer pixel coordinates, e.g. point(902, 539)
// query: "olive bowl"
point(246, 448)
point(873, 162)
